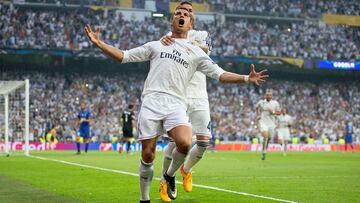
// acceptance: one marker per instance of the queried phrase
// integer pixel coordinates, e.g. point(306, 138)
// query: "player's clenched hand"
point(94, 37)
point(167, 40)
point(257, 77)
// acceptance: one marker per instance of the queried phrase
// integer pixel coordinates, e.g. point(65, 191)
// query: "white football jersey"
point(172, 67)
point(284, 121)
point(266, 116)
point(197, 85)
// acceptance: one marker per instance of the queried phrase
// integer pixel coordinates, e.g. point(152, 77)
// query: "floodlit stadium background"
point(311, 49)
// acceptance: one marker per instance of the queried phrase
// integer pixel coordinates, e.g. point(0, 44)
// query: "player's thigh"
point(176, 118)
point(149, 124)
point(149, 129)
point(199, 116)
point(182, 136)
point(264, 129)
point(179, 129)
point(200, 122)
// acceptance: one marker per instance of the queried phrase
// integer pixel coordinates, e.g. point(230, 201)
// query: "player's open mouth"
point(181, 22)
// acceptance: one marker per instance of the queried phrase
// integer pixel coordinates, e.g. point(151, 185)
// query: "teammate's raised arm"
point(109, 50)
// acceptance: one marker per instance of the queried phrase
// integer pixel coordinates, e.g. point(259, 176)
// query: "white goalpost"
point(14, 115)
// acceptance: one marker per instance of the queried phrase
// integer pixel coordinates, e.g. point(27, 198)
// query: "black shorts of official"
point(128, 133)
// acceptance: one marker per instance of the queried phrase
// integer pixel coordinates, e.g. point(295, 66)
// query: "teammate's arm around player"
point(168, 40)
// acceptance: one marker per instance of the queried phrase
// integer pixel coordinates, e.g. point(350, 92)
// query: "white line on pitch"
point(283, 177)
point(137, 175)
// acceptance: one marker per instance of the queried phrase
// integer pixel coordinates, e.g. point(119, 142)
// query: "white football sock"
point(178, 159)
point(196, 154)
point(168, 156)
point(146, 172)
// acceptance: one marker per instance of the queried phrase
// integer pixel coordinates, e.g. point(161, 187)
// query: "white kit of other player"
point(283, 129)
point(267, 122)
point(198, 108)
point(165, 90)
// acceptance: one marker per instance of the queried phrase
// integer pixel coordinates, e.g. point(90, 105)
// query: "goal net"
point(14, 117)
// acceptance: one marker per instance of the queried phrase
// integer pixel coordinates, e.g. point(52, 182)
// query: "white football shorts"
point(159, 113)
point(266, 127)
point(284, 134)
point(199, 115)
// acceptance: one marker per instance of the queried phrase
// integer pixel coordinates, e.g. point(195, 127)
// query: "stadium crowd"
point(63, 29)
point(288, 8)
point(319, 110)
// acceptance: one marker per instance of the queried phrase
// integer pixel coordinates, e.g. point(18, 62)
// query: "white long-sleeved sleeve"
point(208, 67)
point(138, 54)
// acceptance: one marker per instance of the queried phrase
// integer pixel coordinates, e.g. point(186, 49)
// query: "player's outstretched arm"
point(109, 50)
point(253, 77)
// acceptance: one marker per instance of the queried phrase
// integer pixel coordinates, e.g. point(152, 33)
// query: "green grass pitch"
point(299, 177)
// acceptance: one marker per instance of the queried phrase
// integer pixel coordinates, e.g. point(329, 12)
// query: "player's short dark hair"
point(185, 2)
point(131, 106)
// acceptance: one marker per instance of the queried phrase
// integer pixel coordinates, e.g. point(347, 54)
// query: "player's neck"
point(180, 35)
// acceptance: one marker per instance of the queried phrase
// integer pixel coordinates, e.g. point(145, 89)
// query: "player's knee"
point(148, 155)
point(183, 147)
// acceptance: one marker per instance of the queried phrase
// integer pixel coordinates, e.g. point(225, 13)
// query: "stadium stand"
point(63, 29)
point(327, 105)
point(320, 110)
point(288, 8)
